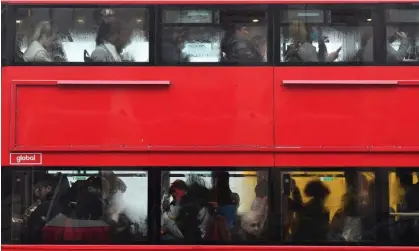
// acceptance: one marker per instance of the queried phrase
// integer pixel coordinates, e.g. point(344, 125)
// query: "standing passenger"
point(41, 43)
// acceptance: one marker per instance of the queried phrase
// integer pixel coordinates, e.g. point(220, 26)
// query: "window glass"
point(60, 35)
point(340, 204)
point(313, 34)
point(202, 206)
point(214, 35)
point(76, 206)
point(404, 206)
point(403, 34)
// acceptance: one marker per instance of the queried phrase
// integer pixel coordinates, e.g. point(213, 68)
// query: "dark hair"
point(178, 184)
point(316, 189)
point(230, 32)
point(90, 201)
point(107, 28)
point(222, 191)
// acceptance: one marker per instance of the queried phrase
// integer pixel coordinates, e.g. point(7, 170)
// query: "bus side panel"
point(207, 248)
point(355, 160)
point(202, 106)
point(5, 116)
point(351, 114)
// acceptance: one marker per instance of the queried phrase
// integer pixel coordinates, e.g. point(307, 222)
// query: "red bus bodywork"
point(263, 116)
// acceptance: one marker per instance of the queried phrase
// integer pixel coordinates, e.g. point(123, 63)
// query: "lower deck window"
point(265, 206)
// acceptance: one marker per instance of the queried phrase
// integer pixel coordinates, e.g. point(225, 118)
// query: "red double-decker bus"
point(210, 125)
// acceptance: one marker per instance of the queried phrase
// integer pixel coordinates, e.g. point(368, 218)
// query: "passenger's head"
point(241, 31)
point(176, 35)
point(114, 31)
point(45, 34)
point(298, 31)
point(115, 183)
point(50, 184)
point(90, 202)
point(220, 179)
point(317, 190)
point(178, 189)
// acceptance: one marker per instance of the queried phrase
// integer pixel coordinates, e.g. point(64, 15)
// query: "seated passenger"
point(237, 47)
point(112, 37)
point(43, 39)
point(49, 191)
point(86, 224)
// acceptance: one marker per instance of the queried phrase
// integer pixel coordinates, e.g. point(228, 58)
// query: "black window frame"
point(379, 26)
point(335, 6)
point(269, 29)
point(386, 23)
point(151, 33)
point(154, 174)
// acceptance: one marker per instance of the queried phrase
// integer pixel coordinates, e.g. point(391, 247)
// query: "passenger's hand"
point(401, 35)
point(333, 55)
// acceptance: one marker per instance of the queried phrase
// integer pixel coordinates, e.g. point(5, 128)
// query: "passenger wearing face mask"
point(113, 36)
point(43, 40)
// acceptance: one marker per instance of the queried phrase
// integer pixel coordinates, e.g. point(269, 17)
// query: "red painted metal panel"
point(349, 116)
point(339, 82)
point(198, 2)
point(208, 248)
point(205, 106)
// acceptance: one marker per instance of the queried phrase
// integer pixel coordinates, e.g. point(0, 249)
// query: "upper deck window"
point(313, 34)
point(402, 33)
point(59, 35)
point(224, 35)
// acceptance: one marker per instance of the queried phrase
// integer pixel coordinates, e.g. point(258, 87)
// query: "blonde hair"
point(42, 28)
point(298, 31)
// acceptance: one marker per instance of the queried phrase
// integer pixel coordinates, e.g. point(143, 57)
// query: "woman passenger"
point(113, 36)
point(41, 44)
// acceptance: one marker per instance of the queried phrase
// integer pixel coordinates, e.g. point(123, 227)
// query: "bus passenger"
point(260, 44)
point(366, 51)
point(50, 192)
point(113, 36)
point(43, 39)
point(87, 222)
point(302, 49)
point(172, 46)
point(313, 213)
point(185, 218)
point(224, 198)
point(406, 231)
point(237, 47)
